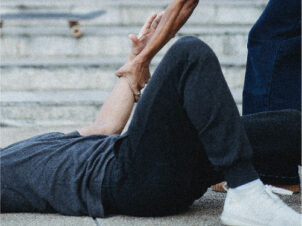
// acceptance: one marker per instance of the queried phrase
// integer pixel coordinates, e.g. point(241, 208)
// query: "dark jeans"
point(276, 141)
point(273, 73)
point(185, 135)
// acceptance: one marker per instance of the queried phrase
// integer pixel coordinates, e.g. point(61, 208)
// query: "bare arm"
point(135, 73)
point(115, 112)
point(174, 18)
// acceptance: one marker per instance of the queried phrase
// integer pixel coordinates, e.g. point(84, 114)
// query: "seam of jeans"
point(276, 54)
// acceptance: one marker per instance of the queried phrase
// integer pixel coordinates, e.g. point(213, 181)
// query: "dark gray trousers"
point(185, 134)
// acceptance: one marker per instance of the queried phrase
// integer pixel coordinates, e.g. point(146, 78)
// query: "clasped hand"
point(156, 32)
point(137, 70)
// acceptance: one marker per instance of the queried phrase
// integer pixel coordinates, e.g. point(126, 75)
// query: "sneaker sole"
point(237, 221)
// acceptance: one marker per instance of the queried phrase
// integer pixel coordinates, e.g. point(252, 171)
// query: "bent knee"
point(191, 47)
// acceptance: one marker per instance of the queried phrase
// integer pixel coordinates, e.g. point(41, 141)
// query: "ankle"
point(240, 173)
point(249, 185)
point(246, 190)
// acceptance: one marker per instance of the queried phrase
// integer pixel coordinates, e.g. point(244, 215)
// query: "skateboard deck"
point(72, 18)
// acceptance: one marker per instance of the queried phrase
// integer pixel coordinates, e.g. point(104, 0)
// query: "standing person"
point(273, 76)
point(185, 133)
point(273, 72)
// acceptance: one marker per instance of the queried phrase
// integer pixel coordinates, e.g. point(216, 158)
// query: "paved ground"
point(205, 211)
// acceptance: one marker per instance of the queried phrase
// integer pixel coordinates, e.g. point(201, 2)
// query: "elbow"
point(107, 129)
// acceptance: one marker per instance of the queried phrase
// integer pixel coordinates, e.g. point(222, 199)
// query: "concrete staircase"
point(51, 79)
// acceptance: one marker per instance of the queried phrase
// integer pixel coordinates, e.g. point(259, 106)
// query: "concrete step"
point(50, 78)
point(11, 135)
point(67, 78)
point(133, 12)
point(51, 108)
point(84, 73)
point(109, 41)
point(91, 62)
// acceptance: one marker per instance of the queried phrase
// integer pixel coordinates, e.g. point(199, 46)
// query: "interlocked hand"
point(140, 41)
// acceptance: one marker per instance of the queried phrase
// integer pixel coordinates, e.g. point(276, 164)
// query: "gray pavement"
point(205, 211)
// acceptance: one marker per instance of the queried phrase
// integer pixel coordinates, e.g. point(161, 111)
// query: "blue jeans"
point(273, 73)
point(186, 134)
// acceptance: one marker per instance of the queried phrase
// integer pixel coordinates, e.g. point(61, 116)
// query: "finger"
point(118, 74)
point(150, 21)
point(157, 21)
point(147, 24)
point(133, 38)
point(147, 77)
point(142, 85)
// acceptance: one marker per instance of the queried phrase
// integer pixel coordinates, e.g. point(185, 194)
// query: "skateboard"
point(72, 18)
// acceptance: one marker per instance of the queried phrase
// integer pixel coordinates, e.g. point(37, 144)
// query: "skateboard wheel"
point(1, 25)
point(76, 31)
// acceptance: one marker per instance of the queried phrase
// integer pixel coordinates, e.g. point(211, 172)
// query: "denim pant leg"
point(276, 140)
point(273, 72)
point(185, 125)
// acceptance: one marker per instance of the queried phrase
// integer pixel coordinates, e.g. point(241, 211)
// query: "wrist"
point(131, 56)
point(136, 93)
point(143, 59)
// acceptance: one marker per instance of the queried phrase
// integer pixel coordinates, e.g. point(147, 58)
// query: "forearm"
point(174, 18)
point(114, 113)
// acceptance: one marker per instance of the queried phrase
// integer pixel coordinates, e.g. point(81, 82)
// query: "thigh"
point(279, 21)
point(273, 73)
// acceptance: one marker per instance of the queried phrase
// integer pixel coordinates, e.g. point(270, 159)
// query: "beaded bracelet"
point(137, 94)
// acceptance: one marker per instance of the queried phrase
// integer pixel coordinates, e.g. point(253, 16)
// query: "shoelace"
point(268, 188)
point(224, 186)
point(276, 190)
point(278, 203)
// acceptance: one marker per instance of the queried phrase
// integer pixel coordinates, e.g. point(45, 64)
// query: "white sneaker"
point(256, 205)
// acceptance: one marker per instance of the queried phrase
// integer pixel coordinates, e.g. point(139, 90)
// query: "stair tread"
point(11, 135)
point(59, 3)
point(92, 61)
point(68, 96)
point(108, 31)
point(53, 97)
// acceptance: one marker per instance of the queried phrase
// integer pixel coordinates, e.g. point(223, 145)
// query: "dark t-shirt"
point(56, 172)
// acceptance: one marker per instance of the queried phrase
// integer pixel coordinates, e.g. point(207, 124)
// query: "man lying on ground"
point(185, 135)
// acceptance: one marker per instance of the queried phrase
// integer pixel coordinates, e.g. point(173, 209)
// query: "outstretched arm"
point(174, 18)
point(115, 113)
